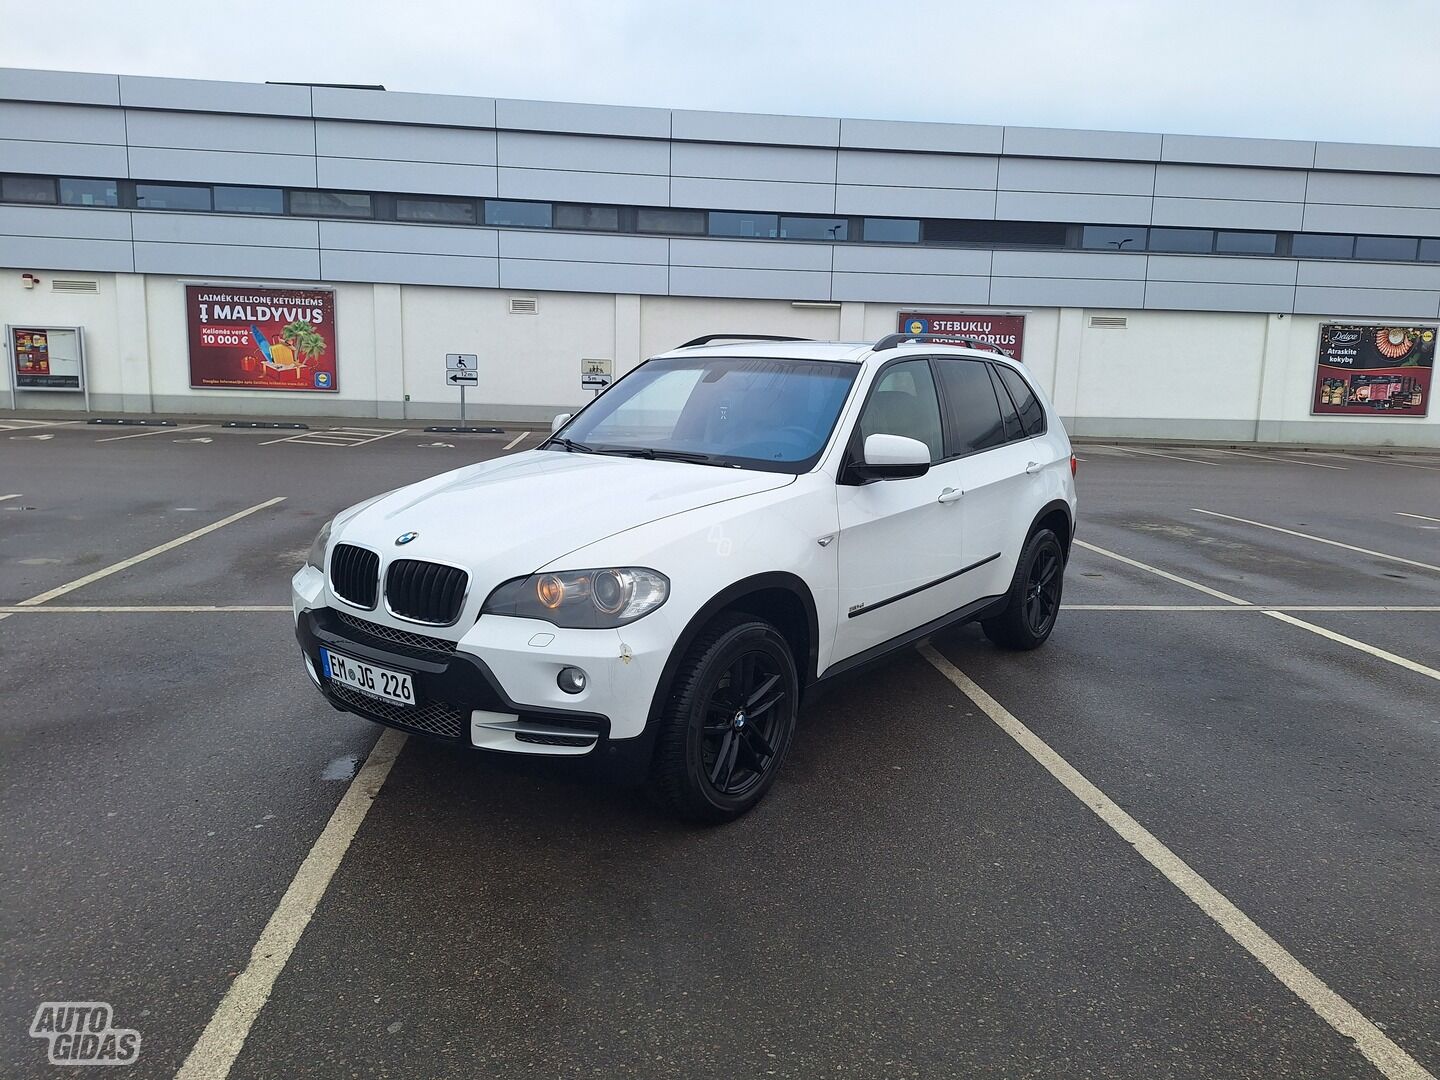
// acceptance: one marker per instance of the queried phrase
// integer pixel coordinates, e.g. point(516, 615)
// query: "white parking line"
point(27, 425)
point(1399, 513)
point(1162, 573)
point(1172, 457)
point(338, 437)
point(1274, 459)
point(1319, 539)
point(4, 497)
point(1379, 1049)
point(157, 431)
point(1377, 460)
point(1239, 608)
point(214, 1054)
point(143, 609)
point(517, 440)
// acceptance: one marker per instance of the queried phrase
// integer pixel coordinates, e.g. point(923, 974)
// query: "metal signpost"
point(595, 374)
point(462, 369)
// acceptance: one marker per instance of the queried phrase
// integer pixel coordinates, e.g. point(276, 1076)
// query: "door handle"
point(1033, 468)
point(950, 495)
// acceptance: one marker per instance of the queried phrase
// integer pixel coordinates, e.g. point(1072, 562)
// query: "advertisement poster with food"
point(1369, 370)
point(246, 338)
point(1007, 332)
point(45, 359)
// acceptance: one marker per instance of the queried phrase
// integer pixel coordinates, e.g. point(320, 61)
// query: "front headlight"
point(582, 599)
point(316, 557)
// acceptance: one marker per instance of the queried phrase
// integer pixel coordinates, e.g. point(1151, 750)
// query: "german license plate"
point(367, 678)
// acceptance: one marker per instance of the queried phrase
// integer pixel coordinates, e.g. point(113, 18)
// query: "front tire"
point(728, 722)
point(1034, 595)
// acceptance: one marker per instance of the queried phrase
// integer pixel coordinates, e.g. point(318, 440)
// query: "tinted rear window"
point(1026, 403)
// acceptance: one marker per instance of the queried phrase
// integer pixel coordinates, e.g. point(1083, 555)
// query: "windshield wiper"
point(660, 454)
point(570, 445)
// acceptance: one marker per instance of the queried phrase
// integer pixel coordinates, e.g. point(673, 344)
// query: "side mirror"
point(893, 457)
point(561, 419)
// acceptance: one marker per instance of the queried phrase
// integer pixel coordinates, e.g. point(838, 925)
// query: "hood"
point(511, 516)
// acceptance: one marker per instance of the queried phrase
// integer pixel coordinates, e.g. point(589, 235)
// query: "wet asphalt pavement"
point(916, 898)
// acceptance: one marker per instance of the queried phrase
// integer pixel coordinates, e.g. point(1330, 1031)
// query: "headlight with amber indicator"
point(582, 599)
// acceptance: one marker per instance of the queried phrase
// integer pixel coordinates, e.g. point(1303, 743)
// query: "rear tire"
point(728, 722)
point(1034, 597)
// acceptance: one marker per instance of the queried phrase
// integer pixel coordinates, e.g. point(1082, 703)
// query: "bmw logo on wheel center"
point(405, 538)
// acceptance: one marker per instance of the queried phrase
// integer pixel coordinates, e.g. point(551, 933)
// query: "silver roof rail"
point(891, 341)
point(705, 339)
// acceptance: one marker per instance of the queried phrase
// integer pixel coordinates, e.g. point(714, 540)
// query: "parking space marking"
point(3, 498)
point(157, 431)
point(1172, 457)
point(1399, 513)
point(1376, 460)
point(1248, 607)
point(1394, 658)
point(15, 424)
point(517, 440)
point(1274, 459)
point(346, 436)
point(1319, 539)
point(213, 1055)
point(1378, 1048)
point(142, 609)
point(124, 564)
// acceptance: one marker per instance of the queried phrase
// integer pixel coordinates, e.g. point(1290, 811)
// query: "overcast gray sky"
point(1361, 71)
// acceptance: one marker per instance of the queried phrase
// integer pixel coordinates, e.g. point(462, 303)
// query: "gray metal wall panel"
point(81, 88)
point(755, 128)
point(1363, 303)
point(1069, 264)
point(1212, 150)
point(234, 134)
point(226, 260)
point(1061, 142)
point(587, 153)
point(915, 202)
point(583, 247)
point(1364, 157)
point(582, 119)
point(1081, 177)
point(583, 276)
point(1053, 206)
point(911, 288)
point(727, 162)
point(584, 186)
point(407, 239)
point(1066, 292)
point(756, 284)
point(67, 253)
point(404, 142)
point(430, 178)
point(217, 167)
point(1227, 214)
point(909, 135)
point(902, 260)
point(390, 106)
point(1385, 220)
point(884, 169)
point(242, 230)
point(1367, 275)
point(1218, 269)
point(1229, 182)
point(58, 221)
point(750, 254)
point(1374, 189)
point(61, 123)
point(411, 269)
point(752, 195)
point(1218, 296)
point(66, 159)
point(203, 95)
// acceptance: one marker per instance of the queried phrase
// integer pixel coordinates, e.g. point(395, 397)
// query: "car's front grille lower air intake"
point(355, 575)
point(425, 592)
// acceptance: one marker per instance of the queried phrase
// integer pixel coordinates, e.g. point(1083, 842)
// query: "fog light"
point(572, 680)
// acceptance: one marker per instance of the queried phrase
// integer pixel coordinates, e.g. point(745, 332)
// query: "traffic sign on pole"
point(461, 361)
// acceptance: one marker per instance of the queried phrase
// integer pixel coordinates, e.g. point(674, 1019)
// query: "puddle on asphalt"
point(342, 768)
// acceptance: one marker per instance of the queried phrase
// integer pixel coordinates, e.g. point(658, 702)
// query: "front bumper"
point(460, 701)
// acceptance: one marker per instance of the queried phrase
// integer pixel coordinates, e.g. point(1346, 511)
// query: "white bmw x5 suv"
point(658, 585)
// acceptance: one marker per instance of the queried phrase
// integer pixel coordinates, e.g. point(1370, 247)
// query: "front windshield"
point(757, 413)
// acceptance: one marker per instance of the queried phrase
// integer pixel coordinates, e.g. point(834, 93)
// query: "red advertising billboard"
point(1005, 331)
point(248, 338)
point(1369, 370)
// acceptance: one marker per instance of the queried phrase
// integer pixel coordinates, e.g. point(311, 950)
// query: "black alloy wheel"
point(1034, 596)
point(743, 723)
point(1042, 591)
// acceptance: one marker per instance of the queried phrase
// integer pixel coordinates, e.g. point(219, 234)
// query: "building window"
point(526, 215)
point(1245, 243)
point(89, 193)
point(330, 204)
point(1321, 246)
point(1386, 248)
point(681, 222)
point(171, 197)
point(606, 218)
point(444, 211)
point(751, 226)
point(891, 230)
point(249, 200)
point(31, 189)
point(1430, 250)
point(814, 228)
point(995, 233)
point(1182, 240)
point(1113, 238)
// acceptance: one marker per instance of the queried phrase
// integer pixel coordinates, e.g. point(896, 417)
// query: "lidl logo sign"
point(917, 326)
point(322, 380)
